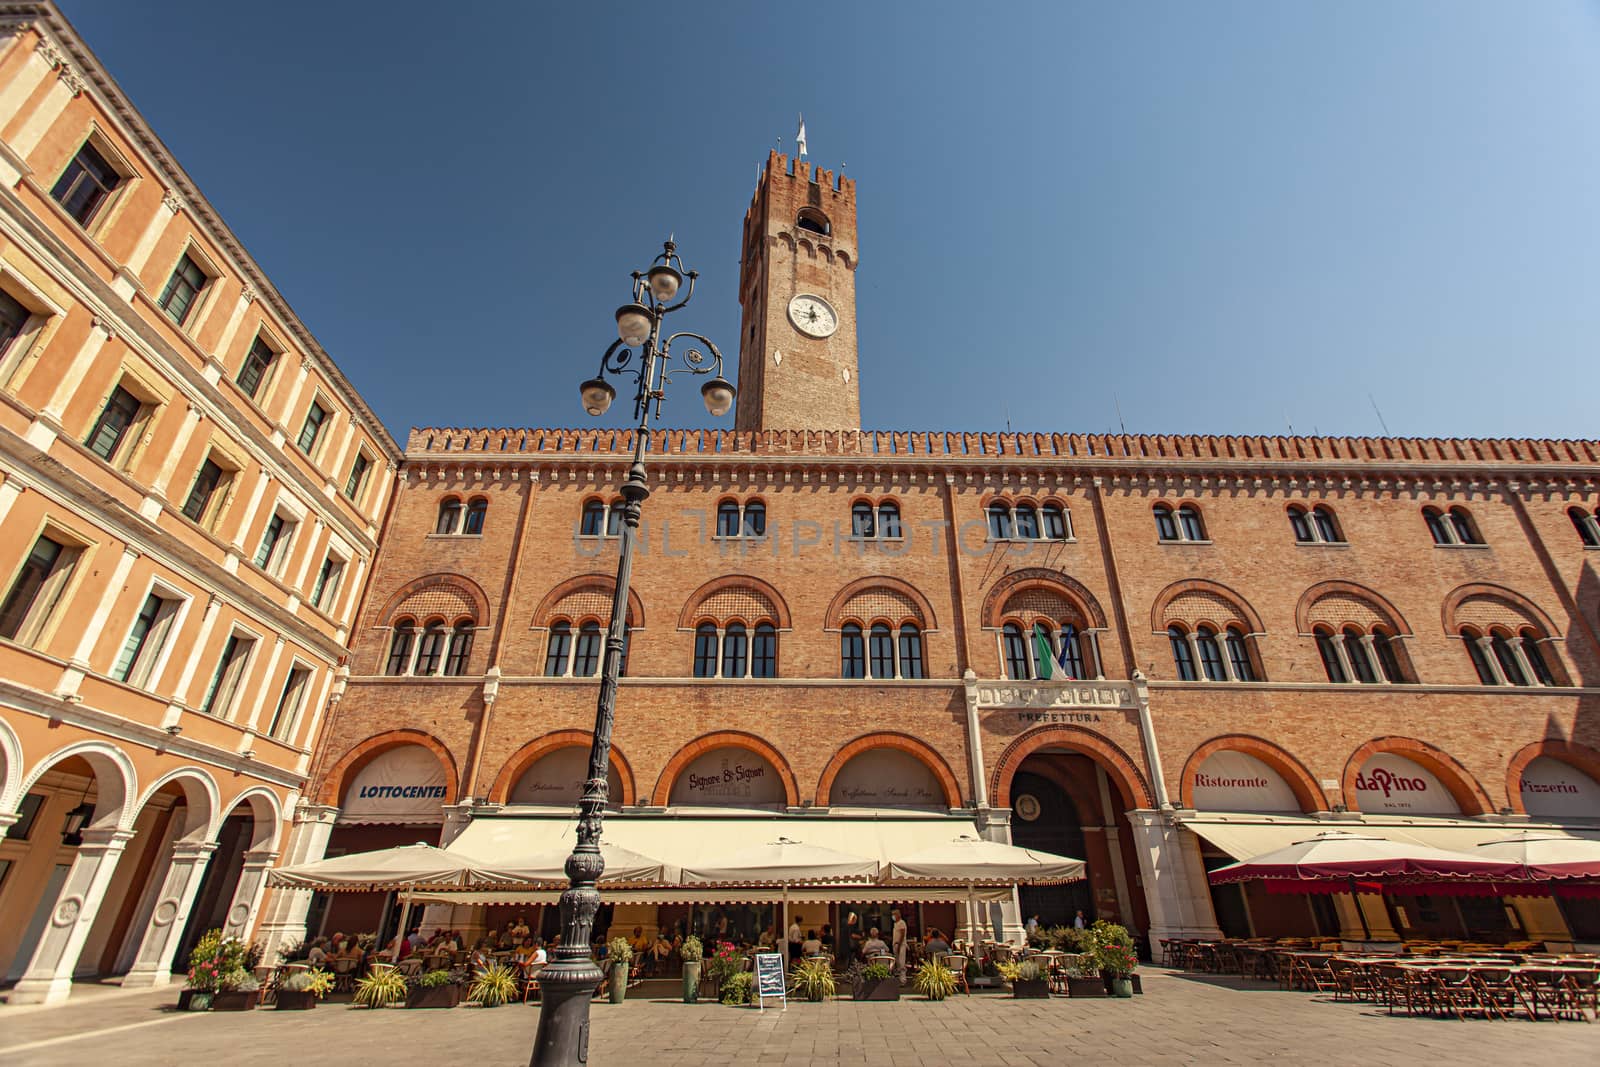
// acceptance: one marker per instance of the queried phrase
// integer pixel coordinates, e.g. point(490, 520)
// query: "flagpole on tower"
point(800, 137)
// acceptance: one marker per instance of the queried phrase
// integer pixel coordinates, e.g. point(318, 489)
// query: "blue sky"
point(1225, 217)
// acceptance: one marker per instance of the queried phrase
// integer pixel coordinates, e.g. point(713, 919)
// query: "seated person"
point(524, 951)
point(811, 946)
point(539, 958)
point(827, 937)
point(936, 945)
point(874, 946)
point(318, 955)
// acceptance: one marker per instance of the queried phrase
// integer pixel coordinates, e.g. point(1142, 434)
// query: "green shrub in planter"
point(691, 951)
point(435, 989)
point(301, 990)
point(875, 981)
point(496, 984)
point(381, 987)
point(739, 988)
point(934, 980)
point(812, 979)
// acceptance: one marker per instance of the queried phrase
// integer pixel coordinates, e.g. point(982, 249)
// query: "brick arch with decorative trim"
point(725, 739)
point(352, 761)
point(1164, 599)
point(833, 617)
point(1452, 605)
point(1294, 773)
point(1469, 796)
point(458, 583)
point(537, 749)
point(1119, 765)
point(606, 582)
point(691, 606)
point(912, 747)
point(1579, 757)
point(994, 601)
point(1302, 612)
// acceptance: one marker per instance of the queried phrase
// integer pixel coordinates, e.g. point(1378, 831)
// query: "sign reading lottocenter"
point(407, 782)
point(1391, 783)
point(729, 777)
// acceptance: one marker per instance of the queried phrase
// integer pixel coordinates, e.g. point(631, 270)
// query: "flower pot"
point(619, 982)
point(195, 1000)
point(1121, 986)
point(1086, 987)
point(1035, 988)
point(877, 989)
point(289, 1000)
point(691, 981)
point(439, 996)
point(235, 1001)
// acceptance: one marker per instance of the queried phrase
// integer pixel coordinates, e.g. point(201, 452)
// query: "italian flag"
point(1045, 657)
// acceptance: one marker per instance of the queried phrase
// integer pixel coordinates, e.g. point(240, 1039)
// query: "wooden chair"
point(957, 963)
point(530, 980)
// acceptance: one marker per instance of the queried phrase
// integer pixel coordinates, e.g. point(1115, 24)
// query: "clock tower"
point(797, 286)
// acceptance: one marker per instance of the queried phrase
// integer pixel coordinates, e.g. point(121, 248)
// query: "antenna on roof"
point(1385, 425)
point(1118, 403)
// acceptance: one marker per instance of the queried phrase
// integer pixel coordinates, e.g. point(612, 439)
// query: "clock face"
point(813, 316)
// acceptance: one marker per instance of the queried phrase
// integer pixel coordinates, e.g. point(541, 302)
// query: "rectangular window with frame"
point(14, 318)
point(327, 583)
point(257, 369)
point(275, 540)
point(26, 815)
point(37, 588)
point(86, 184)
point(312, 428)
point(289, 702)
point(211, 478)
point(148, 636)
point(110, 429)
point(224, 687)
point(357, 481)
point(184, 289)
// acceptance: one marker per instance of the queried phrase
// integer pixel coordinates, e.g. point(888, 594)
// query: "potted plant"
point(1115, 957)
point(812, 979)
point(212, 957)
point(380, 987)
point(934, 980)
point(495, 985)
point(619, 954)
point(691, 951)
point(1028, 979)
point(875, 982)
point(739, 988)
point(434, 989)
point(1083, 976)
point(725, 961)
point(301, 990)
point(237, 990)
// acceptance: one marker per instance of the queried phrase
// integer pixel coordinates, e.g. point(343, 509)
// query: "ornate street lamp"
point(568, 983)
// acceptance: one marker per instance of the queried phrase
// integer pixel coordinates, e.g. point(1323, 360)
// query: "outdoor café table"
point(1255, 961)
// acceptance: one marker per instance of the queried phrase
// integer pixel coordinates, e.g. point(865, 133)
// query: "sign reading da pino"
point(1391, 783)
point(729, 777)
point(404, 784)
point(1238, 781)
point(1559, 790)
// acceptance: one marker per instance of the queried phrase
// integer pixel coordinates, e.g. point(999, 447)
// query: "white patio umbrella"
point(973, 861)
point(401, 867)
point(1545, 856)
point(622, 865)
point(782, 862)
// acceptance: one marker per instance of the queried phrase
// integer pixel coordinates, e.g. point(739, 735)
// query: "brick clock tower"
point(797, 285)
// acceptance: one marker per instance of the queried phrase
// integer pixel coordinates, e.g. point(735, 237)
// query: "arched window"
point(1327, 529)
point(1166, 528)
point(1356, 651)
point(999, 522)
point(755, 519)
point(586, 650)
point(1507, 660)
point(1189, 520)
point(1205, 639)
point(1055, 524)
point(1480, 661)
point(1040, 646)
point(764, 652)
point(813, 220)
point(852, 652)
point(614, 518)
point(627, 643)
point(1301, 525)
point(1330, 655)
point(1239, 655)
point(455, 662)
point(1026, 522)
point(911, 652)
point(594, 519)
point(1584, 523)
point(405, 632)
point(430, 650)
point(1534, 653)
point(476, 510)
point(705, 651)
point(1182, 658)
point(862, 520)
point(557, 650)
point(1388, 658)
point(1466, 531)
point(880, 651)
point(728, 519)
point(889, 520)
point(735, 650)
point(1072, 658)
point(1438, 529)
point(1016, 651)
point(449, 516)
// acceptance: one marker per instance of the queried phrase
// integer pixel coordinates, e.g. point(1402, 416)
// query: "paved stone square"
point(1180, 1019)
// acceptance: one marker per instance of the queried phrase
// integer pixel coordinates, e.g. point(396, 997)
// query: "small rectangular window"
point(13, 320)
point(85, 185)
point(289, 701)
point(148, 636)
point(358, 477)
point(36, 589)
point(327, 583)
point(26, 814)
point(121, 411)
point(275, 543)
point(312, 429)
point(183, 290)
point(224, 686)
point(257, 368)
point(206, 483)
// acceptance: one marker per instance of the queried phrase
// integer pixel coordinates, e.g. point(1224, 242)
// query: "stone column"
point(247, 896)
point(283, 918)
point(1175, 886)
point(1006, 916)
point(48, 979)
point(441, 916)
point(185, 871)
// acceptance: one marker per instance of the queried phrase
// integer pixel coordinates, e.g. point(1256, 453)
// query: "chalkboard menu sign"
point(770, 978)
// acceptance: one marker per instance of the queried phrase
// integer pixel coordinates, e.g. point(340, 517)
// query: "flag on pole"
point(1043, 655)
point(800, 138)
point(1063, 662)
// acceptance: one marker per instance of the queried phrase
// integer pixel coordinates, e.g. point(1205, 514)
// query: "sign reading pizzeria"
point(1555, 789)
point(1391, 783)
point(729, 777)
point(886, 778)
point(556, 779)
point(1238, 781)
point(404, 784)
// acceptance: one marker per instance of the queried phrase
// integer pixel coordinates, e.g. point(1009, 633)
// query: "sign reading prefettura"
point(769, 979)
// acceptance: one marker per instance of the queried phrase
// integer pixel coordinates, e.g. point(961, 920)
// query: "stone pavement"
point(1180, 1019)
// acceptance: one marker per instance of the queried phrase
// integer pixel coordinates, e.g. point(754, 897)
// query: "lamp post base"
point(565, 989)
